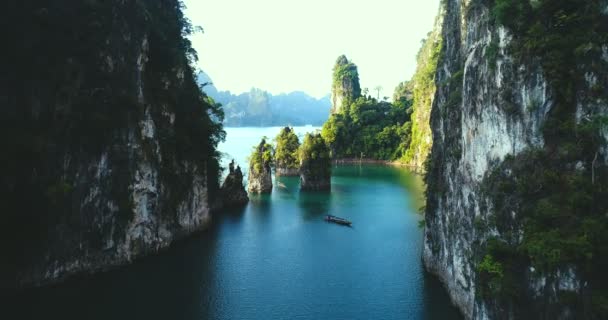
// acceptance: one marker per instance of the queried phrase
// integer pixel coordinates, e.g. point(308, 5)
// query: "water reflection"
point(314, 204)
point(234, 214)
point(286, 187)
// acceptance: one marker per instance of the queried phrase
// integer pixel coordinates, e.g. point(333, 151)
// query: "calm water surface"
point(274, 259)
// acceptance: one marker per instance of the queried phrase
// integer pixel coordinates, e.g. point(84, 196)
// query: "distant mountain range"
point(259, 108)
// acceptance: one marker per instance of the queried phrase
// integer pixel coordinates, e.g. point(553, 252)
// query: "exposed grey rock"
point(345, 88)
point(472, 138)
point(260, 171)
point(232, 191)
point(111, 180)
point(286, 172)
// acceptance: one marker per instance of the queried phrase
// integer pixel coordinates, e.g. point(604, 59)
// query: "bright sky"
point(288, 45)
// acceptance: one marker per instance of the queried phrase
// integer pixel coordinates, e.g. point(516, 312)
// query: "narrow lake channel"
point(274, 259)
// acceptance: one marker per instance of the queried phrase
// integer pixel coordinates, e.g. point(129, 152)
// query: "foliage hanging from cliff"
point(286, 153)
point(83, 77)
point(423, 89)
point(560, 191)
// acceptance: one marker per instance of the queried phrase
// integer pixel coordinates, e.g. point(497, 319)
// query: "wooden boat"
point(338, 220)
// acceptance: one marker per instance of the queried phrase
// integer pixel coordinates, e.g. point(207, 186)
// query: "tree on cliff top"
point(314, 155)
point(261, 158)
point(286, 154)
point(345, 83)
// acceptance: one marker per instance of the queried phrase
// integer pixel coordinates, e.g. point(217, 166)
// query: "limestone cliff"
point(232, 193)
point(108, 149)
point(286, 154)
point(515, 200)
point(260, 169)
point(421, 90)
point(345, 87)
point(315, 164)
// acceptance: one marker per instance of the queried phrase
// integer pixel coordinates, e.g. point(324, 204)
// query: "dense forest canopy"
point(363, 126)
point(370, 129)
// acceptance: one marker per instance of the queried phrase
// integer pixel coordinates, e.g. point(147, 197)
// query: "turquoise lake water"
point(275, 259)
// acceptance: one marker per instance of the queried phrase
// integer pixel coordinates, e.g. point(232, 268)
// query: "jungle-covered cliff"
point(345, 86)
point(108, 144)
point(261, 161)
point(364, 127)
point(315, 164)
point(517, 207)
point(286, 154)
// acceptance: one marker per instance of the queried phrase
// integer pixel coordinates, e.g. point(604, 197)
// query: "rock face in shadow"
point(232, 192)
point(260, 169)
point(108, 149)
point(315, 165)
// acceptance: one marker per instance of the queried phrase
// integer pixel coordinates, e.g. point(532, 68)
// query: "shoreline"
point(355, 161)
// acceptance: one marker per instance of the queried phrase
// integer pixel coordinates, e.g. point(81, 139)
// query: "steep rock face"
point(490, 111)
point(286, 172)
point(108, 148)
point(260, 170)
point(232, 191)
point(345, 88)
point(422, 88)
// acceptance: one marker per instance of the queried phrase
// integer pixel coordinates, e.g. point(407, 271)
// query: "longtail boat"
point(338, 220)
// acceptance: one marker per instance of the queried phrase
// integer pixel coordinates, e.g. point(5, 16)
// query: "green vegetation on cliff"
point(345, 85)
point(560, 190)
point(423, 89)
point(315, 171)
point(286, 153)
point(82, 77)
point(372, 129)
point(261, 158)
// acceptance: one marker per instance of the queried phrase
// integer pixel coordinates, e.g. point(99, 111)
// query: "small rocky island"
point(233, 192)
point(260, 168)
point(315, 164)
point(286, 153)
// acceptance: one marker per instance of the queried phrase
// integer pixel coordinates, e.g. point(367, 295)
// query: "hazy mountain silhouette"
point(260, 108)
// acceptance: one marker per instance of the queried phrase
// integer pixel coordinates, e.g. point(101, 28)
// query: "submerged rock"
point(233, 192)
point(260, 169)
point(315, 164)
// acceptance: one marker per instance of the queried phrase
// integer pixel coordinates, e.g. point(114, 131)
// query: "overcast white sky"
point(288, 45)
